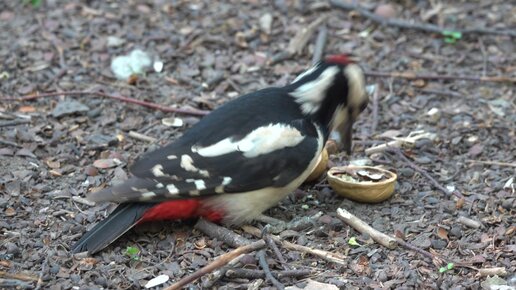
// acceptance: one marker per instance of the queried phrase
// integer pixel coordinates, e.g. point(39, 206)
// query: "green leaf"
point(450, 266)
point(132, 252)
point(442, 269)
point(451, 36)
point(33, 3)
point(353, 241)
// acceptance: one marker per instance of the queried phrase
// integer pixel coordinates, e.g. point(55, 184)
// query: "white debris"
point(134, 63)
point(157, 281)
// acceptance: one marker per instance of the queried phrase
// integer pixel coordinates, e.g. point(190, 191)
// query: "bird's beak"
point(344, 135)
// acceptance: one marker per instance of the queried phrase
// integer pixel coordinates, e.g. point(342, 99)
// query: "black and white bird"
point(241, 159)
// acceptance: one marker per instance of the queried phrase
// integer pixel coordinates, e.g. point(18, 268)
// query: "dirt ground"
point(213, 51)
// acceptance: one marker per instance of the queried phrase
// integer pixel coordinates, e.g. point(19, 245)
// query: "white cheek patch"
point(262, 140)
point(311, 94)
point(356, 83)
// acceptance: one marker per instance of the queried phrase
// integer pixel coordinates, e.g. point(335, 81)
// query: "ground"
point(215, 51)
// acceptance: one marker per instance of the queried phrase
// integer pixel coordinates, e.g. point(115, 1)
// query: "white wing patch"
point(187, 164)
point(199, 183)
point(262, 140)
point(172, 189)
point(311, 94)
point(157, 170)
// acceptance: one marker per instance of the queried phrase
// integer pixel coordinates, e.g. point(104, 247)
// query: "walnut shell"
point(367, 191)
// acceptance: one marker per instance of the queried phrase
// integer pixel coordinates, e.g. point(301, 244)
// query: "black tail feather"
point(122, 219)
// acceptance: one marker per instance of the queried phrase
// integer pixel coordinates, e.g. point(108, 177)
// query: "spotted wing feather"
point(177, 172)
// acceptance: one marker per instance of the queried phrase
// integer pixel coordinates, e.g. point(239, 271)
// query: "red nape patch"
point(180, 210)
point(338, 59)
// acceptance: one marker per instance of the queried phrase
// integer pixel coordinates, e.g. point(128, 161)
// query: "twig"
point(328, 256)
point(500, 271)
point(484, 56)
point(14, 284)
point(320, 44)
point(221, 233)
point(57, 76)
point(142, 137)
point(9, 143)
point(216, 264)
point(442, 93)
point(255, 274)
point(411, 164)
point(418, 250)
point(376, 96)
point(300, 40)
point(14, 122)
point(22, 277)
point(263, 263)
point(155, 106)
point(363, 227)
point(400, 141)
point(272, 245)
point(417, 26)
point(469, 222)
point(492, 163)
point(415, 76)
point(41, 273)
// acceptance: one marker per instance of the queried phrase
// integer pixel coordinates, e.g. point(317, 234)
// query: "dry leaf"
point(442, 233)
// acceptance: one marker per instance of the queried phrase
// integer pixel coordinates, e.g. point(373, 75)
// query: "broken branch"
point(416, 26)
point(364, 228)
point(216, 264)
point(154, 106)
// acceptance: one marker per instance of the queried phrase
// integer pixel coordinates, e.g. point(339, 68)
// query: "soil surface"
point(54, 150)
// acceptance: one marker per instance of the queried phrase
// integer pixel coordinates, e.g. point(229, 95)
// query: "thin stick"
point(272, 245)
point(363, 227)
point(221, 233)
point(411, 164)
point(216, 264)
point(14, 122)
point(9, 143)
point(155, 106)
point(320, 44)
point(416, 249)
point(300, 40)
point(415, 76)
point(469, 222)
point(416, 26)
point(376, 96)
point(22, 277)
point(500, 271)
point(263, 263)
point(328, 256)
point(142, 137)
point(492, 163)
point(255, 274)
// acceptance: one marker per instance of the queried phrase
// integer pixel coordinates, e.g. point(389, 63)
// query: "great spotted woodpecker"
point(242, 158)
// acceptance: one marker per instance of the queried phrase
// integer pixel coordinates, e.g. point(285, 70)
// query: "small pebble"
point(439, 244)
point(406, 172)
point(456, 231)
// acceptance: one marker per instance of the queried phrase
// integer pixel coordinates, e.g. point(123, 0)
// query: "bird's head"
point(333, 94)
